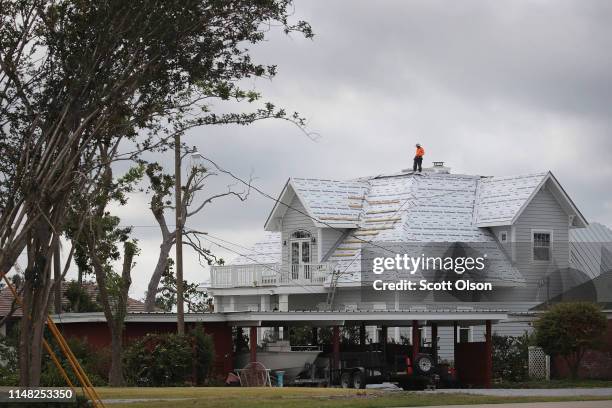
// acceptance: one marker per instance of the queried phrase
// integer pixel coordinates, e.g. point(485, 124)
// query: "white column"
point(264, 303)
point(283, 303)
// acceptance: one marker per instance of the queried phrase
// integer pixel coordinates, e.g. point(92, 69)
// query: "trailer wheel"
point(358, 380)
point(345, 380)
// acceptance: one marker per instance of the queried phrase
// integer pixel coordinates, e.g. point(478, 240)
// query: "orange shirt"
point(420, 152)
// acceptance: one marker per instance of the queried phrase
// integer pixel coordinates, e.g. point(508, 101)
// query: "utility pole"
point(180, 314)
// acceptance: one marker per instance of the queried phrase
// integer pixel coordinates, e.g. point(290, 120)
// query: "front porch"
point(472, 359)
point(270, 274)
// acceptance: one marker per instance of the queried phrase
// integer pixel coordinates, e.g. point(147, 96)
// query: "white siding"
point(329, 237)
point(543, 213)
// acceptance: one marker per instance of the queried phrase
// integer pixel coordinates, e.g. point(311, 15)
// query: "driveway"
point(570, 404)
point(527, 392)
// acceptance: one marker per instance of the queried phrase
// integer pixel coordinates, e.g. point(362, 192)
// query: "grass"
point(564, 383)
point(223, 397)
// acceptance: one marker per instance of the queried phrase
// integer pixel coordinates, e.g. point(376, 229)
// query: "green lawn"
point(222, 397)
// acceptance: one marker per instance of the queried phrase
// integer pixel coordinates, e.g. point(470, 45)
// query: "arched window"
point(301, 234)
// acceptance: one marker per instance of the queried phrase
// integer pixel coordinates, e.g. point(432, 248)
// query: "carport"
point(473, 360)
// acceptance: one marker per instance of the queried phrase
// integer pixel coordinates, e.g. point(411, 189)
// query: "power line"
point(263, 193)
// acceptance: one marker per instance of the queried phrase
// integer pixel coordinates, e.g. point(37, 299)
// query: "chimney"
point(438, 167)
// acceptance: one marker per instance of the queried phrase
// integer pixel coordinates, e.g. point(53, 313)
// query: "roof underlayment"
point(432, 207)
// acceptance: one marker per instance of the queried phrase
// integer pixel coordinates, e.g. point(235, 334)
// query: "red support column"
point(489, 355)
point(362, 336)
point(416, 338)
point(455, 343)
point(434, 341)
point(336, 347)
point(253, 344)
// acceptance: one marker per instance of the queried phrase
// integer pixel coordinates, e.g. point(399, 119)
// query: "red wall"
point(471, 364)
point(98, 335)
point(595, 364)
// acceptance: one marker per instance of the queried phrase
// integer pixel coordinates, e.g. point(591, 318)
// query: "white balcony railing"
point(236, 276)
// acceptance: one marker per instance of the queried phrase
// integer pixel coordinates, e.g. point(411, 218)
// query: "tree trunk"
point(115, 376)
point(37, 288)
point(24, 339)
point(162, 264)
point(57, 279)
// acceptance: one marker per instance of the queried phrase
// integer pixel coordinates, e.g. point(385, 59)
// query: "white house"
point(318, 234)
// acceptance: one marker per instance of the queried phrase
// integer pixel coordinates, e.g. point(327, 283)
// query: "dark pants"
point(418, 163)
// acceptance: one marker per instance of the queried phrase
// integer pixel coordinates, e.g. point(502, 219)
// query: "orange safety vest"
point(420, 152)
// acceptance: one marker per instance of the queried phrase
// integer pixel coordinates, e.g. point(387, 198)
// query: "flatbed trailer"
point(357, 369)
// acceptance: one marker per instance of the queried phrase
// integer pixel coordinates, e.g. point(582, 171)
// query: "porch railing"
point(236, 276)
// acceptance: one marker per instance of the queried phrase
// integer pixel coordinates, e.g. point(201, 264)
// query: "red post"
point(455, 343)
point(489, 356)
point(434, 341)
point(416, 338)
point(362, 336)
point(253, 344)
point(336, 346)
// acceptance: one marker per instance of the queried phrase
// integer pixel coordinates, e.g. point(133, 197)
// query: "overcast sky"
point(490, 88)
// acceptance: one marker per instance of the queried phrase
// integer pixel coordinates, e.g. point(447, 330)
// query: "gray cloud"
point(490, 88)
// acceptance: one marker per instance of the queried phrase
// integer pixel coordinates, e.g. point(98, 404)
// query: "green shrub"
point(94, 361)
point(159, 360)
point(570, 329)
point(9, 374)
point(510, 356)
point(204, 349)
point(169, 359)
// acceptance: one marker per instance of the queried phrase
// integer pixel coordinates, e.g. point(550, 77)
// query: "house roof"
point(597, 290)
point(6, 300)
point(432, 207)
point(501, 200)
point(443, 317)
point(591, 249)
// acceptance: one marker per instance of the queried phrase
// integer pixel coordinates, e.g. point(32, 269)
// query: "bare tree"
point(74, 76)
point(192, 204)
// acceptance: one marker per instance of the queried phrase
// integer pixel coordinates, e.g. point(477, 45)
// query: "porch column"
point(416, 338)
point(336, 347)
point(315, 336)
point(455, 343)
point(283, 303)
point(264, 304)
point(362, 336)
point(434, 341)
point(383, 344)
point(489, 355)
point(253, 344)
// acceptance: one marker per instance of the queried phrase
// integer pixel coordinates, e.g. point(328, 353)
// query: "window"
point(300, 235)
point(503, 237)
point(541, 245)
point(464, 334)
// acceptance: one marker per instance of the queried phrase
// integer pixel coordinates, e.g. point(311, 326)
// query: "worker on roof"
point(418, 158)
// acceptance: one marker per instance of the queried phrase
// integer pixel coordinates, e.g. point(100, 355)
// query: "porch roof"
point(443, 317)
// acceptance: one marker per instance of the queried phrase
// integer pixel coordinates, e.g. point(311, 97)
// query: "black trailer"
point(356, 368)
